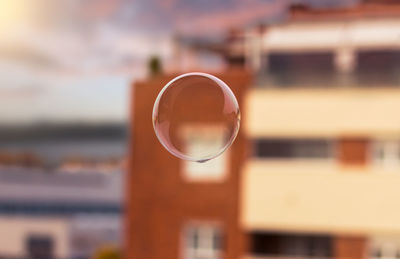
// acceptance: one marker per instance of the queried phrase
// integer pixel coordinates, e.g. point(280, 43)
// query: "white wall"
point(327, 35)
point(320, 197)
point(322, 112)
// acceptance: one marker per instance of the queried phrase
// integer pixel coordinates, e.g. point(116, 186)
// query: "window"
point(378, 67)
point(40, 247)
point(292, 245)
point(386, 153)
point(293, 148)
point(306, 69)
point(202, 241)
point(204, 138)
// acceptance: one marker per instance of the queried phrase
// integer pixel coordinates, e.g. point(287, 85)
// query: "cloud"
point(222, 20)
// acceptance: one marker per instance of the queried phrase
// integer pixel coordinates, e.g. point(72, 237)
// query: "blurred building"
point(314, 172)
point(58, 215)
point(171, 202)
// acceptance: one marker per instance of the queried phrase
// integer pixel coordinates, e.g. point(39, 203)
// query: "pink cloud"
point(229, 18)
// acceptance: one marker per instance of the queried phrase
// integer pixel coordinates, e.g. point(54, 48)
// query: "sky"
point(84, 99)
point(73, 60)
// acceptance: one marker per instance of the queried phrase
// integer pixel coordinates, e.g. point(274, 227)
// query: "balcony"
point(322, 112)
point(319, 197)
point(328, 79)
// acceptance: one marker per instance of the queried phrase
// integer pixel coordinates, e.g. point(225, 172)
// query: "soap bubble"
point(196, 117)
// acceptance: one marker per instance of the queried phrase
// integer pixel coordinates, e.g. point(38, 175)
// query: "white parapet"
point(318, 197)
point(305, 112)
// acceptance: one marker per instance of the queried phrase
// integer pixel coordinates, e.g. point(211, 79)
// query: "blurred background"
point(314, 172)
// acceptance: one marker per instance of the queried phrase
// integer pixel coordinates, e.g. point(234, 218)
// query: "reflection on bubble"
point(196, 117)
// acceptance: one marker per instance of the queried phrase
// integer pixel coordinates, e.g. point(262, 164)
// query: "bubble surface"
point(196, 117)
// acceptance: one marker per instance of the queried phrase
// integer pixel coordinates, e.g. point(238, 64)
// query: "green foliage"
point(155, 66)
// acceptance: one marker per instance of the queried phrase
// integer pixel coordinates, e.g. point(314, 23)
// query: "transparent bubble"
point(196, 117)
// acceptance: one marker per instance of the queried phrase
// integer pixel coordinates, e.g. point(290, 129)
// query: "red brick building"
point(314, 172)
point(165, 202)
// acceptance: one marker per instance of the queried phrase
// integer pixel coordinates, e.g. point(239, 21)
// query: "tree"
point(155, 67)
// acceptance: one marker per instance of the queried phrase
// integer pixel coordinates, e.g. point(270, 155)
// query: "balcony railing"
point(327, 79)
